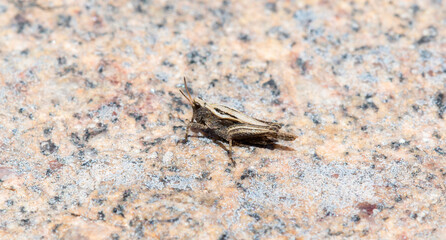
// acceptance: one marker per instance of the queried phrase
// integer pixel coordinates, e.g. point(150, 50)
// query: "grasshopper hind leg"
point(223, 134)
point(230, 152)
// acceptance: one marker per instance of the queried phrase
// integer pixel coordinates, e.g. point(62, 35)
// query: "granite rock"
point(92, 123)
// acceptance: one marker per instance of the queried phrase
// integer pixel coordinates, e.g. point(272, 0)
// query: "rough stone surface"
point(91, 120)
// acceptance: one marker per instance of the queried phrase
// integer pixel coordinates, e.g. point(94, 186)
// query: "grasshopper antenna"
point(188, 98)
point(187, 89)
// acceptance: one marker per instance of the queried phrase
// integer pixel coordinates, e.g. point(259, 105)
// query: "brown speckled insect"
point(232, 125)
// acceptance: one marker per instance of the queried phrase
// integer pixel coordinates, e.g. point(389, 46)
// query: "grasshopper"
point(232, 125)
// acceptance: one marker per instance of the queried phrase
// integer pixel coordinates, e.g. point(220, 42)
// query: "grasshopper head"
point(198, 105)
point(194, 102)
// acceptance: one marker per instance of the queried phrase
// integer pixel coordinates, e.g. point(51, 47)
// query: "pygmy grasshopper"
point(232, 125)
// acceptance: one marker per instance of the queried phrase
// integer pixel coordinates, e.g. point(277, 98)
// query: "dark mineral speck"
point(440, 151)
point(64, 21)
point(94, 131)
point(48, 147)
point(101, 216)
point(356, 218)
point(119, 210)
point(271, 84)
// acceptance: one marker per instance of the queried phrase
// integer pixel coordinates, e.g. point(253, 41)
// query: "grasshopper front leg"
point(203, 127)
point(194, 125)
point(187, 132)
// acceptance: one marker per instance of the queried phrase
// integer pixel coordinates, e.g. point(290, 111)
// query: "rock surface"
point(91, 120)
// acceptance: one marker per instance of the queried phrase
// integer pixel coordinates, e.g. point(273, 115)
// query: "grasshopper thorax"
point(198, 105)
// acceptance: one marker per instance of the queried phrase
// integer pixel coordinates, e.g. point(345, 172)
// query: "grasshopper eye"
point(196, 104)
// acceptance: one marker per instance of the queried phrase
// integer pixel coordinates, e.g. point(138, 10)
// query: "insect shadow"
point(208, 134)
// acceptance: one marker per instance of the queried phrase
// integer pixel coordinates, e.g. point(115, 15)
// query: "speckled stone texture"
point(91, 120)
